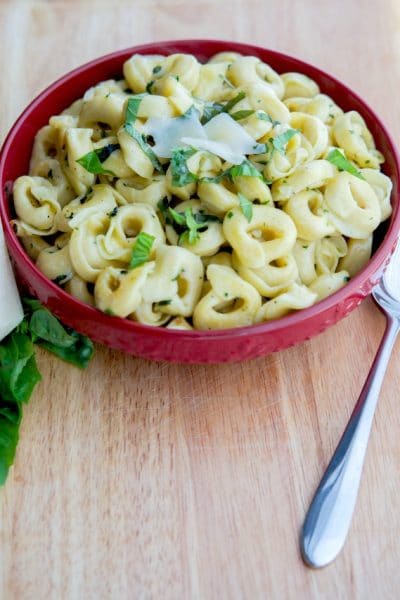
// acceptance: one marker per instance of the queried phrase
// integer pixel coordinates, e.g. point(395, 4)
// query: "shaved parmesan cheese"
point(226, 130)
point(222, 136)
point(11, 313)
point(168, 133)
point(217, 148)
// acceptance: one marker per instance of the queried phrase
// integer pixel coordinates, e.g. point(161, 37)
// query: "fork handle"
point(329, 516)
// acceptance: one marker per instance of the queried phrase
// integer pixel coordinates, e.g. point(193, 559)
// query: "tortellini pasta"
point(202, 196)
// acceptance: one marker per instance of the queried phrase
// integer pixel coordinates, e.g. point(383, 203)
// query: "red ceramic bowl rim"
point(351, 288)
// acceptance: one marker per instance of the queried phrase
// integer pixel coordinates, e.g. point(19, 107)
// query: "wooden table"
point(144, 480)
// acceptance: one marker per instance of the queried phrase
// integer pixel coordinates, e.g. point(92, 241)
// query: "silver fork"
point(329, 516)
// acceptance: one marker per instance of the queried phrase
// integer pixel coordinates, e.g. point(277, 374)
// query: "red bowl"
point(168, 344)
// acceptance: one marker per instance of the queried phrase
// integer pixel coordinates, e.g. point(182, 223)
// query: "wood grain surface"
point(144, 480)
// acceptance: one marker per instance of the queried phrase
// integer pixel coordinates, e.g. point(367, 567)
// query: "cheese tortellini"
point(202, 196)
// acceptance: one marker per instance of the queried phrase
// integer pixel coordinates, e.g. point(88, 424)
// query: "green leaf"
point(242, 114)
point(263, 116)
point(141, 250)
point(212, 109)
point(179, 218)
point(45, 326)
point(31, 304)
point(231, 103)
point(10, 419)
point(19, 374)
point(46, 331)
point(18, 371)
point(63, 278)
point(92, 164)
point(340, 161)
point(180, 173)
point(280, 141)
point(130, 118)
point(190, 223)
point(92, 160)
point(191, 112)
point(147, 149)
point(105, 151)
point(163, 206)
point(201, 218)
point(149, 86)
point(132, 108)
point(192, 226)
point(245, 169)
point(246, 207)
point(79, 353)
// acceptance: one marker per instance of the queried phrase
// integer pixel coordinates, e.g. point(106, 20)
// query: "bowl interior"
point(17, 150)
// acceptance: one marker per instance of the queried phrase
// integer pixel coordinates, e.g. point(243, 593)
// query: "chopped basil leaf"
point(130, 117)
point(245, 169)
point(179, 218)
point(180, 173)
point(164, 302)
point(242, 114)
point(141, 250)
point(157, 69)
point(149, 86)
point(163, 205)
point(92, 160)
point(61, 279)
point(104, 152)
point(147, 149)
point(231, 103)
point(132, 108)
point(212, 109)
point(263, 116)
point(246, 207)
point(280, 141)
point(188, 225)
point(340, 161)
point(191, 112)
point(201, 217)
point(192, 226)
point(113, 212)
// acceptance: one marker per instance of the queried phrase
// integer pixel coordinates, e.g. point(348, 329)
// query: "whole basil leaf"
point(79, 354)
point(10, 419)
point(44, 326)
point(19, 373)
point(18, 370)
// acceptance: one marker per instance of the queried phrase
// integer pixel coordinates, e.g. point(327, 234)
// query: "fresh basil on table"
point(19, 373)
